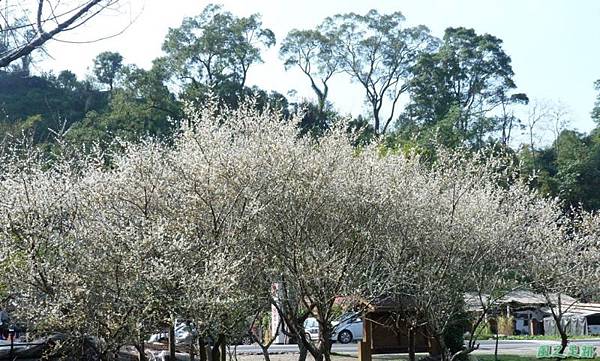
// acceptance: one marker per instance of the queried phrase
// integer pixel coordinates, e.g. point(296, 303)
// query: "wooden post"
point(365, 346)
point(531, 325)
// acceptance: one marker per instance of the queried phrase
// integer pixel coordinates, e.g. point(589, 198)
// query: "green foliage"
point(483, 331)
point(107, 66)
point(596, 109)
point(315, 121)
point(455, 87)
point(363, 130)
point(569, 169)
point(215, 47)
point(39, 104)
point(265, 326)
point(67, 80)
point(128, 117)
point(453, 337)
point(337, 311)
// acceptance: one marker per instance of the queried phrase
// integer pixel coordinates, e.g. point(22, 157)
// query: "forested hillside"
point(459, 91)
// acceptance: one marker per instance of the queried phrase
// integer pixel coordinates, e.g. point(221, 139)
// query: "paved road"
point(350, 348)
point(512, 347)
point(524, 347)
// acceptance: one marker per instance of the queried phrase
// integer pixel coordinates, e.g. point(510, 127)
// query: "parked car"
point(185, 331)
point(311, 327)
point(183, 334)
point(348, 328)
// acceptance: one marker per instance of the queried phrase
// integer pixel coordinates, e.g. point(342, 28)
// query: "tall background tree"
point(215, 50)
point(377, 51)
point(455, 88)
point(596, 110)
point(106, 68)
point(312, 52)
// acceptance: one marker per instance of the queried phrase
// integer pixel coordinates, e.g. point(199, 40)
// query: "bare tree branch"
point(75, 17)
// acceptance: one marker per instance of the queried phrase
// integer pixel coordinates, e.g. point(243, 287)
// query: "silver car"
point(348, 328)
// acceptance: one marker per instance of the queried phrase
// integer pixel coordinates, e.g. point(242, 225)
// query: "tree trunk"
point(321, 106)
point(201, 348)
point(172, 341)
point(303, 352)
point(325, 340)
point(557, 319)
point(215, 354)
point(192, 350)
point(411, 344)
point(496, 345)
point(223, 351)
point(141, 348)
point(465, 351)
point(376, 119)
point(265, 351)
point(326, 349)
point(443, 347)
point(564, 339)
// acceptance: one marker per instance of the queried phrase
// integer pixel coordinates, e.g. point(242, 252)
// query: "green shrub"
point(484, 331)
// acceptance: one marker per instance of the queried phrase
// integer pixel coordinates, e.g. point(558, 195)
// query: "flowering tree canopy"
point(109, 247)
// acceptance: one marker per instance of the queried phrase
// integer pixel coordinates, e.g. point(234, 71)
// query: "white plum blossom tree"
point(107, 248)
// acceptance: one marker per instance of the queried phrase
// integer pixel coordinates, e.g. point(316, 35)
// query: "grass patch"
point(472, 358)
point(341, 354)
point(537, 337)
point(505, 358)
point(519, 358)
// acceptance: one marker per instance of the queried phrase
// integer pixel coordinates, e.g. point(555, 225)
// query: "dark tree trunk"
point(324, 341)
point(411, 344)
point(215, 354)
point(265, 351)
point(141, 349)
point(303, 352)
point(171, 341)
point(496, 345)
point(443, 348)
point(192, 349)
point(557, 319)
point(201, 348)
point(223, 351)
point(376, 120)
point(564, 339)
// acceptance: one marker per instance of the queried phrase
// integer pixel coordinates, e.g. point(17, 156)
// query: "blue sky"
point(554, 44)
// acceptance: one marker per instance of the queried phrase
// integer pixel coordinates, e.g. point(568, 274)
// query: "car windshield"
point(348, 317)
point(310, 322)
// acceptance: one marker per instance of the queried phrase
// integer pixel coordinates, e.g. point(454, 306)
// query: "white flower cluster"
point(201, 227)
